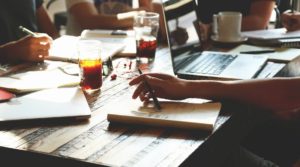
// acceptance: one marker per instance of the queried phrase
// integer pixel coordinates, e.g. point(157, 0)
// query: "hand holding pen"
point(150, 90)
point(163, 85)
point(34, 47)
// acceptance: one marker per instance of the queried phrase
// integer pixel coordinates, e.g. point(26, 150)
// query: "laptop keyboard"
point(212, 63)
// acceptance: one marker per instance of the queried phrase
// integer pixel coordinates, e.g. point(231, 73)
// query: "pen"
point(27, 31)
point(258, 51)
point(293, 6)
point(156, 103)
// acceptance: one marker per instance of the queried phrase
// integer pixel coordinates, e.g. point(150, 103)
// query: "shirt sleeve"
point(70, 3)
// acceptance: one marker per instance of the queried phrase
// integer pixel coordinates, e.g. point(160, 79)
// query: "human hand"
point(29, 48)
point(291, 21)
point(163, 85)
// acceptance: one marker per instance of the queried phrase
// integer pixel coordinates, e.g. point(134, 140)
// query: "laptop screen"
point(182, 35)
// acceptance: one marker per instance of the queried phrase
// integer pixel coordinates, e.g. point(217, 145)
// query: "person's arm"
point(279, 95)
point(45, 24)
point(291, 21)
point(259, 15)
point(28, 49)
point(146, 5)
point(88, 17)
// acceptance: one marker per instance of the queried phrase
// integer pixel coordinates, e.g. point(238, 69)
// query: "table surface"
point(97, 142)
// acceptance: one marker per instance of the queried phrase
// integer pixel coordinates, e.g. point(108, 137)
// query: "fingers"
point(39, 48)
point(142, 92)
point(140, 88)
point(38, 57)
point(291, 21)
point(155, 75)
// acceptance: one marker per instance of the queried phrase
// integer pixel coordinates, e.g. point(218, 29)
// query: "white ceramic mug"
point(227, 26)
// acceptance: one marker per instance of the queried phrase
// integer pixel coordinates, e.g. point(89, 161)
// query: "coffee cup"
point(227, 26)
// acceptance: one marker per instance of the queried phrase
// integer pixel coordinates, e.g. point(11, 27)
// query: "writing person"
point(291, 21)
point(15, 45)
point(256, 13)
point(278, 96)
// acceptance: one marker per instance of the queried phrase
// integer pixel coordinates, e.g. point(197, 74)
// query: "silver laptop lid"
point(182, 36)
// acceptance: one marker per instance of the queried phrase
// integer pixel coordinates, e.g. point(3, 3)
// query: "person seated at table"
point(17, 46)
point(291, 21)
point(256, 13)
point(89, 14)
point(277, 97)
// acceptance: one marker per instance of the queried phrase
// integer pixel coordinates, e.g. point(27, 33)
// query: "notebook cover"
point(174, 114)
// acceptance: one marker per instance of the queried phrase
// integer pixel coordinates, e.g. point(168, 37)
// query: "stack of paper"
point(267, 34)
point(274, 37)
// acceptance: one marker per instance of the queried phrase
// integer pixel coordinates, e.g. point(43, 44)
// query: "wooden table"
point(96, 142)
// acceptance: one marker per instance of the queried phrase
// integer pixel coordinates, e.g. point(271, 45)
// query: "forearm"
point(3, 52)
point(256, 22)
point(45, 24)
point(88, 17)
point(273, 94)
point(207, 89)
point(259, 15)
point(105, 22)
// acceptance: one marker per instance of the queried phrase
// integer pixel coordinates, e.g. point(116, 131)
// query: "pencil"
point(156, 103)
point(293, 5)
point(258, 51)
point(27, 31)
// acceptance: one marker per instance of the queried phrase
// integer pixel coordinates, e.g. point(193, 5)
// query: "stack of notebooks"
point(279, 37)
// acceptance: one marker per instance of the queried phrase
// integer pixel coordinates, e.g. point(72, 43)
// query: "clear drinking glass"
point(146, 25)
point(90, 64)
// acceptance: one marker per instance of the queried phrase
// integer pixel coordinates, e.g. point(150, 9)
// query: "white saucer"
point(241, 39)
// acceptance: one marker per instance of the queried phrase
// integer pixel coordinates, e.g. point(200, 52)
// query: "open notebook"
point(65, 49)
point(55, 75)
point(184, 114)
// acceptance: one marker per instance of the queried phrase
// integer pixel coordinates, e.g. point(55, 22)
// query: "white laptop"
point(45, 104)
point(190, 62)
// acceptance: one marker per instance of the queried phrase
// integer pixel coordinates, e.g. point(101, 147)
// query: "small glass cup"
point(90, 65)
point(146, 25)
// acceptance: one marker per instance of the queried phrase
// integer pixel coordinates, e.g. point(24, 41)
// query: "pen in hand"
point(156, 103)
point(27, 31)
